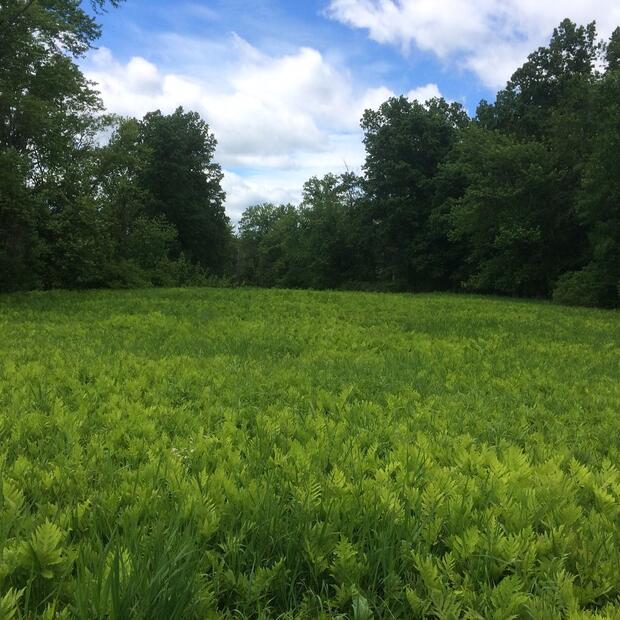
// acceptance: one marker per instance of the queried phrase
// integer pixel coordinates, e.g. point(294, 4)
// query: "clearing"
point(207, 453)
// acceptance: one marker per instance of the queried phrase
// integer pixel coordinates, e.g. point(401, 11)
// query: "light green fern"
point(8, 604)
point(43, 553)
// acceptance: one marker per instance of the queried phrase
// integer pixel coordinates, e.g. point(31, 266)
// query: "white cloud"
point(373, 98)
point(278, 119)
point(283, 184)
point(424, 93)
point(263, 109)
point(245, 191)
point(489, 37)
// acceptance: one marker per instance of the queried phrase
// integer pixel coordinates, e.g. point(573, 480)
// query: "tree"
point(46, 103)
point(270, 241)
point(551, 100)
point(329, 226)
point(612, 51)
point(141, 245)
point(254, 226)
point(598, 205)
point(46, 118)
point(312, 246)
point(505, 216)
point(552, 77)
point(405, 144)
point(74, 214)
point(20, 246)
point(184, 185)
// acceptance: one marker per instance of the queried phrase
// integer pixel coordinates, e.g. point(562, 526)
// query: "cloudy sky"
point(283, 83)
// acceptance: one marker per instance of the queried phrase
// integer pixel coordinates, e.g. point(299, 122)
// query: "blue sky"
point(283, 84)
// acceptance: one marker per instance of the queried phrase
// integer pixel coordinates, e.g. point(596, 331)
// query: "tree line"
point(522, 199)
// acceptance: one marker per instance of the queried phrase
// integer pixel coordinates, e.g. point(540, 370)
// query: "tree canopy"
point(145, 208)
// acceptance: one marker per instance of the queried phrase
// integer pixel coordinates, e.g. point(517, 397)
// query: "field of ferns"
point(214, 453)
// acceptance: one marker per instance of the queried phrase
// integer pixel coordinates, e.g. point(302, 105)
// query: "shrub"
point(588, 287)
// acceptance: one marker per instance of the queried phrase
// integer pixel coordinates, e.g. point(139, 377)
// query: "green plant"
point(244, 453)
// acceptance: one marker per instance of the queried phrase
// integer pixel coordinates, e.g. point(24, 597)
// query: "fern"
point(43, 554)
point(334, 467)
point(9, 604)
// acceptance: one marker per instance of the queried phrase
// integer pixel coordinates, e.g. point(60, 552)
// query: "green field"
point(212, 453)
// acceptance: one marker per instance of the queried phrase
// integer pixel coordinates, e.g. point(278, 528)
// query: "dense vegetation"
point(144, 208)
point(207, 453)
point(246, 453)
point(523, 199)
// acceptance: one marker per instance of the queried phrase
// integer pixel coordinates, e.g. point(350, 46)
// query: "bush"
point(589, 287)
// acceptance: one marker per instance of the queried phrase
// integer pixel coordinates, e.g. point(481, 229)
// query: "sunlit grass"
point(251, 453)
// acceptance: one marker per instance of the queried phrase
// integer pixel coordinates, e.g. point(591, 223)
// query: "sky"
point(283, 83)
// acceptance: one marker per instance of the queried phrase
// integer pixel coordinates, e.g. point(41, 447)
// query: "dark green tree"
point(598, 203)
point(270, 239)
point(21, 249)
point(329, 224)
point(551, 100)
point(612, 51)
point(405, 144)
point(141, 245)
point(505, 216)
point(553, 78)
point(46, 120)
point(184, 185)
point(254, 226)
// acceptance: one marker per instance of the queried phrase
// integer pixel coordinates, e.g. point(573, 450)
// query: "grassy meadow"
point(213, 453)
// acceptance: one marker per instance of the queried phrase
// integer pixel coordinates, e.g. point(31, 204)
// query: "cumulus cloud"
point(278, 119)
point(249, 190)
point(489, 37)
point(283, 184)
point(424, 93)
point(263, 110)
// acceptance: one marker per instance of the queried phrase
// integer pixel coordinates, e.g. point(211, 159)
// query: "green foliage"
point(329, 214)
point(612, 51)
point(268, 243)
point(46, 118)
point(405, 144)
point(244, 453)
point(9, 605)
point(183, 184)
point(522, 200)
point(547, 82)
point(598, 204)
point(20, 246)
point(145, 209)
point(42, 555)
point(504, 217)
point(588, 287)
point(313, 246)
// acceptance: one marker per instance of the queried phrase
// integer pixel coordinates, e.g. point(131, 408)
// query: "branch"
point(11, 20)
